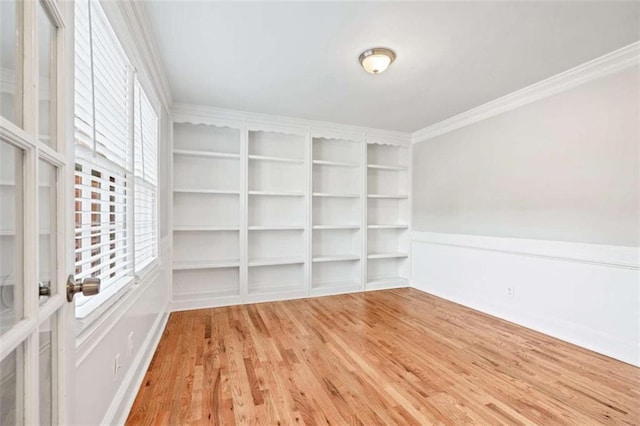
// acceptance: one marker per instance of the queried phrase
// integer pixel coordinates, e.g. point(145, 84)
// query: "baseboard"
point(387, 285)
point(204, 303)
point(122, 402)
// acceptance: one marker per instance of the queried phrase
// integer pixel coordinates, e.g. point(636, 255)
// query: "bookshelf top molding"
point(220, 117)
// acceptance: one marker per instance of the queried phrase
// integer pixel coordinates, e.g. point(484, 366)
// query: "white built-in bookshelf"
point(276, 213)
point(206, 212)
point(337, 206)
point(387, 215)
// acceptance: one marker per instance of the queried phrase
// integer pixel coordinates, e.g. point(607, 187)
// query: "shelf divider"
point(206, 154)
point(206, 264)
point(335, 163)
point(385, 167)
point(206, 191)
point(387, 255)
point(277, 193)
point(276, 159)
point(335, 195)
point(336, 258)
point(392, 196)
point(272, 261)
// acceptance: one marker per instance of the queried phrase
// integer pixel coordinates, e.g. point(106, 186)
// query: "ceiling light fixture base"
point(377, 59)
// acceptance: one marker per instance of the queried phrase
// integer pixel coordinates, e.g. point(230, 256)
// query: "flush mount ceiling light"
point(377, 59)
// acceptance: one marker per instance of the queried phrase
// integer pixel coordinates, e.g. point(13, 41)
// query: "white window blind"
point(145, 179)
point(103, 235)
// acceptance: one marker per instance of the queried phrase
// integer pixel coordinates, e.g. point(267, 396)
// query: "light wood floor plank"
point(385, 357)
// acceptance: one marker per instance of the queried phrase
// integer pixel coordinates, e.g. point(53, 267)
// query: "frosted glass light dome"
point(377, 60)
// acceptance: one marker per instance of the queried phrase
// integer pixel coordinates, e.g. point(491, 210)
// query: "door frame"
point(25, 137)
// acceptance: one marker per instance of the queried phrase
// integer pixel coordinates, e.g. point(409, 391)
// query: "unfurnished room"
point(319, 212)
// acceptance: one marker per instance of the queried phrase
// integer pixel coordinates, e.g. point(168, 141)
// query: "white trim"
point(375, 285)
point(122, 401)
point(55, 14)
point(203, 302)
point(610, 63)
point(198, 114)
point(597, 254)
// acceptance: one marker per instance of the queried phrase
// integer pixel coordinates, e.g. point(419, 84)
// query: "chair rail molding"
point(602, 66)
point(597, 254)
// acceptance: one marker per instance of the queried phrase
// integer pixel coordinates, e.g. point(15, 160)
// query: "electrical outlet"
point(130, 344)
point(511, 292)
point(116, 367)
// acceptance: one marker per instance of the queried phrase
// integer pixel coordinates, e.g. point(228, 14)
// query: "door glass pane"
point(9, 82)
point(47, 229)
point(46, 370)
point(11, 388)
point(10, 236)
point(46, 37)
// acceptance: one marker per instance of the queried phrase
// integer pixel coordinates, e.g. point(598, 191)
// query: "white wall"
point(563, 168)
point(143, 313)
point(543, 199)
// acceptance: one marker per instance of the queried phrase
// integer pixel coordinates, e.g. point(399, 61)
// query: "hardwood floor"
point(386, 357)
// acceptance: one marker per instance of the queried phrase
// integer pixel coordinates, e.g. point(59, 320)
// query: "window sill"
point(98, 305)
point(149, 269)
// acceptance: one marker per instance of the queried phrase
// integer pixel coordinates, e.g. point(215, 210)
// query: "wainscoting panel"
point(586, 294)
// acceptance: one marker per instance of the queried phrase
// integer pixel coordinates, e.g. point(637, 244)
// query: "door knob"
point(88, 286)
point(44, 288)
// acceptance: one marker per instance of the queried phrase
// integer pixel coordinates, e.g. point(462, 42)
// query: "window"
point(145, 182)
point(116, 155)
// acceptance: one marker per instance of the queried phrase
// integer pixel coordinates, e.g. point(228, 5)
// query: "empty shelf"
point(387, 255)
point(336, 226)
point(206, 264)
point(277, 193)
point(336, 258)
point(335, 284)
point(336, 163)
point(398, 196)
point(209, 154)
point(385, 167)
point(386, 280)
point(335, 195)
point(276, 228)
point(276, 159)
point(266, 261)
point(206, 191)
point(205, 228)
point(380, 226)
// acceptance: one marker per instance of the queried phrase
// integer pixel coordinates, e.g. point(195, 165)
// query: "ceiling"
point(300, 59)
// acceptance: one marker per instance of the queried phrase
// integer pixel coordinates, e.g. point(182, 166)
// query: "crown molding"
point(199, 114)
point(610, 63)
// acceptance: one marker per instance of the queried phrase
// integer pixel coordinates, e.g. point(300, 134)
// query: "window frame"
point(99, 305)
point(151, 265)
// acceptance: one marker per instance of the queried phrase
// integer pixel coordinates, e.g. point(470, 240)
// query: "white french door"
point(36, 211)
